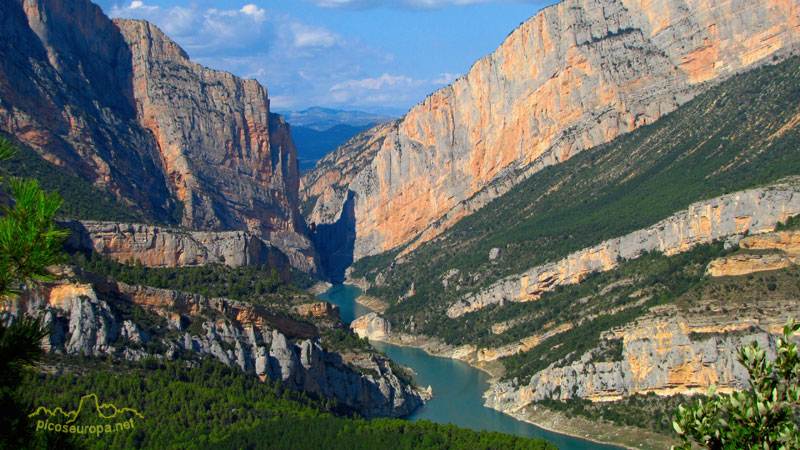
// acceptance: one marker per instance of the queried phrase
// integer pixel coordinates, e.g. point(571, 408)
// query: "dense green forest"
point(735, 136)
point(252, 284)
point(81, 199)
point(214, 406)
point(333, 433)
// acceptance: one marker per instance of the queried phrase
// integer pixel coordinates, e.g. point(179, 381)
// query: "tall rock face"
point(120, 104)
point(678, 352)
point(576, 75)
point(66, 91)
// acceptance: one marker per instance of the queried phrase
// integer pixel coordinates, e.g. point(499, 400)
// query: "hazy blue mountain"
point(322, 119)
point(317, 131)
point(312, 145)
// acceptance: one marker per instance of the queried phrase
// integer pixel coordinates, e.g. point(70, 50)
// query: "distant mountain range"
point(322, 119)
point(317, 131)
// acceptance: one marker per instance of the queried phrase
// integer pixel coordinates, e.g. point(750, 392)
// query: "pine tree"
point(29, 244)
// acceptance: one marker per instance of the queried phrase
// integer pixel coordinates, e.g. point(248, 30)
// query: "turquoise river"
point(457, 386)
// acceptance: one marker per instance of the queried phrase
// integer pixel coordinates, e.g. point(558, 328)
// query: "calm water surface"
point(457, 387)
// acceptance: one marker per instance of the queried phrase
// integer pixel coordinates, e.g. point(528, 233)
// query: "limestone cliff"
point(575, 75)
point(98, 318)
point(753, 211)
point(684, 352)
point(786, 243)
point(167, 247)
point(121, 105)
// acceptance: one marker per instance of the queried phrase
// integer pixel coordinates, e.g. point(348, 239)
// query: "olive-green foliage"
point(183, 407)
point(759, 418)
point(792, 223)
point(254, 284)
point(730, 138)
point(302, 280)
point(29, 240)
point(337, 340)
point(663, 277)
point(81, 199)
point(214, 406)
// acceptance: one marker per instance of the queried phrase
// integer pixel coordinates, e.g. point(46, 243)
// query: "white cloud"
point(376, 83)
point(308, 36)
point(302, 64)
point(254, 11)
point(374, 90)
point(141, 6)
point(204, 31)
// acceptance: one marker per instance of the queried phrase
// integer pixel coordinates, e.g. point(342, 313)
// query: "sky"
point(380, 56)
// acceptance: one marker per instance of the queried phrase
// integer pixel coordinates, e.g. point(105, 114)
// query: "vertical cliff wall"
point(120, 104)
point(575, 75)
point(66, 91)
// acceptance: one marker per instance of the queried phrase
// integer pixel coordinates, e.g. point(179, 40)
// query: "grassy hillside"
point(740, 134)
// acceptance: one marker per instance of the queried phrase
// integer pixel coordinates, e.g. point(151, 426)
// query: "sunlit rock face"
point(121, 105)
point(575, 75)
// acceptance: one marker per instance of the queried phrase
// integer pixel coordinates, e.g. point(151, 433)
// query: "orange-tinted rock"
point(155, 246)
point(787, 242)
point(577, 74)
point(317, 309)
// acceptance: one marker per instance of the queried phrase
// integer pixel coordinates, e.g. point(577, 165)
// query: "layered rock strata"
point(120, 104)
point(95, 319)
point(157, 246)
point(751, 211)
point(575, 75)
point(786, 243)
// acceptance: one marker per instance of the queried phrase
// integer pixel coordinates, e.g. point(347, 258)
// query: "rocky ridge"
point(575, 75)
point(751, 211)
point(120, 104)
point(98, 318)
point(786, 243)
point(157, 246)
point(684, 352)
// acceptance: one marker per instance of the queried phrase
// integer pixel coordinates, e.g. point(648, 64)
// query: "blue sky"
point(374, 55)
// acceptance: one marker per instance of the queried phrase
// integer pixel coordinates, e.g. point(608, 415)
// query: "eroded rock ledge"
point(158, 246)
point(753, 211)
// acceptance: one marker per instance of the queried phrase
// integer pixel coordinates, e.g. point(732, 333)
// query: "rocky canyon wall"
point(575, 75)
point(120, 104)
point(96, 319)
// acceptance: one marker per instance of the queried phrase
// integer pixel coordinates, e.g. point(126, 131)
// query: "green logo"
point(91, 417)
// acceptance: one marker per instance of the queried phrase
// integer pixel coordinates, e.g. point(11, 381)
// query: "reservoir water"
point(457, 387)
